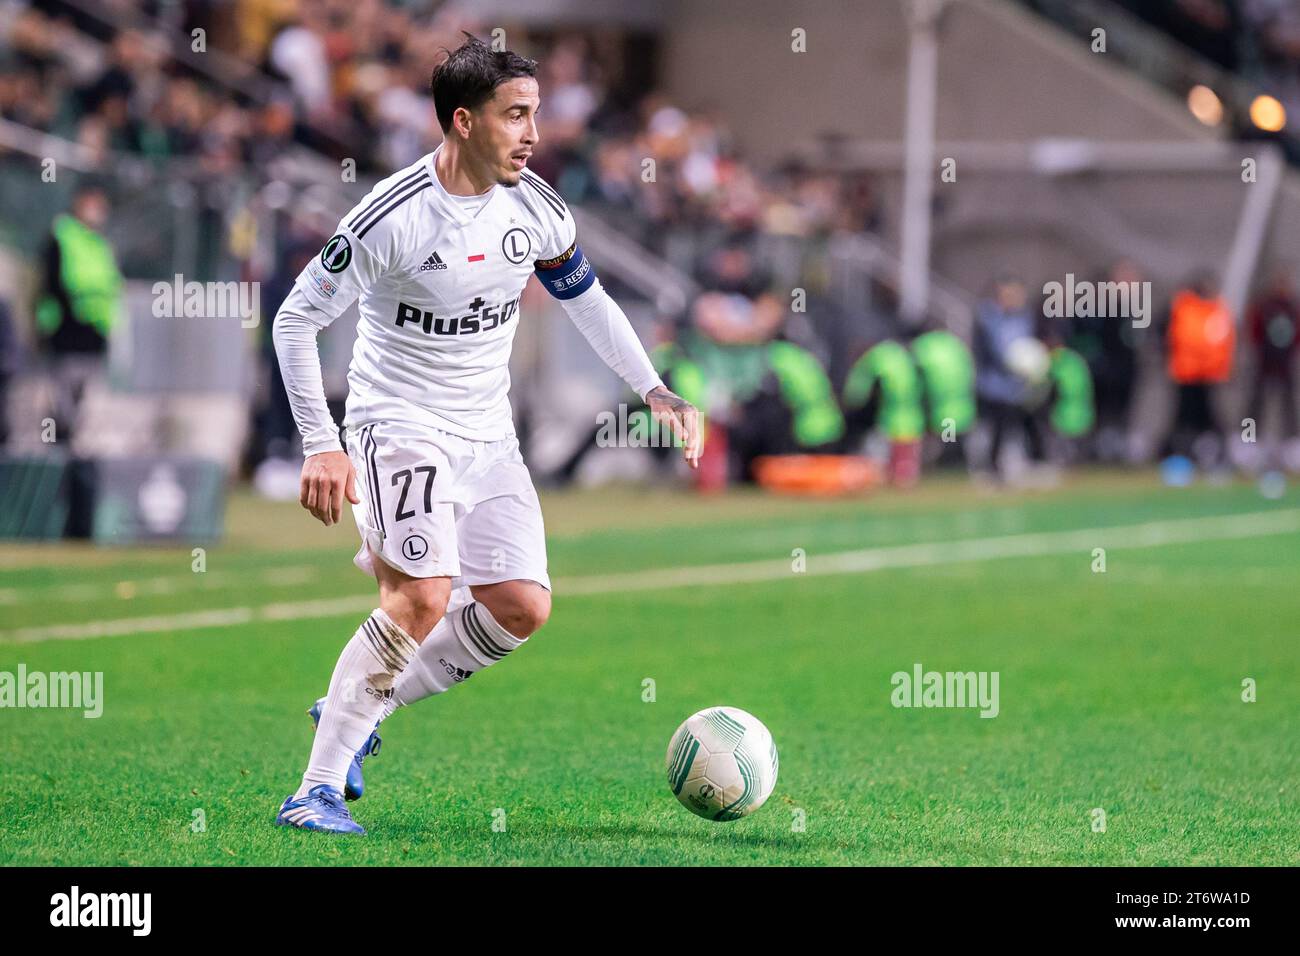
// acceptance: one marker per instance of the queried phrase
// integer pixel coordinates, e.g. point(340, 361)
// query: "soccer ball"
point(722, 763)
point(1029, 360)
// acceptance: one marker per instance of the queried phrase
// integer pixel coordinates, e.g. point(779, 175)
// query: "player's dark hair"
point(470, 75)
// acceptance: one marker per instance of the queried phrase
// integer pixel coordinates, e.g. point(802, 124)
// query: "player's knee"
point(417, 610)
point(526, 610)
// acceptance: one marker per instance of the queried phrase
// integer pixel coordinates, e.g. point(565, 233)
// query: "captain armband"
point(566, 276)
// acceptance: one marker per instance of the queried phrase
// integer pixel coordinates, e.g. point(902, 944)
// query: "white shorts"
point(437, 505)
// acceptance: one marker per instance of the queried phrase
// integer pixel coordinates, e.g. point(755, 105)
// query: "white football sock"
point(363, 680)
point(466, 640)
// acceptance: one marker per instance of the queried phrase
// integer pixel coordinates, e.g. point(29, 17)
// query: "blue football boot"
point(355, 784)
point(322, 809)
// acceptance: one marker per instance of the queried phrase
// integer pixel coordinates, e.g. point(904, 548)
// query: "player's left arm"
point(570, 278)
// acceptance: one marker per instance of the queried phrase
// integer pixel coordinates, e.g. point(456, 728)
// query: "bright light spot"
point(1267, 113)
point(1205, 105)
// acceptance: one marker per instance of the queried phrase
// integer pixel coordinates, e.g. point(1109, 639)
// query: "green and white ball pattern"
point(722, 763)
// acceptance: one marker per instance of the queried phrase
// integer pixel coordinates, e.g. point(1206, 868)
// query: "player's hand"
point(326, 479)
point(682, 416)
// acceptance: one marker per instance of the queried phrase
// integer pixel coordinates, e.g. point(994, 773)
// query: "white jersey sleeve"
point(608, 331)
point(354, 258)
point(294, 333)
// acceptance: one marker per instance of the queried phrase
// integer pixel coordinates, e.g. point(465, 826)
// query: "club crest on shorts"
point(414, 547)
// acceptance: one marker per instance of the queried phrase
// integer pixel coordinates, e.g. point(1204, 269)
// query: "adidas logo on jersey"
point(433, 263)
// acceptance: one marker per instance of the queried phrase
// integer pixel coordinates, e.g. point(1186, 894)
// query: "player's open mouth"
point(520, 161)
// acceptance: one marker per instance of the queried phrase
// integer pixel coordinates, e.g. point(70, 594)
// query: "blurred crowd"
point(349, 78)
point(126, 94)
point(826, 377)
point(1028, 392)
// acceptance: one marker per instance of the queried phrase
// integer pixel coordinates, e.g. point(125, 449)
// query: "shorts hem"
point(439, 573)
point(470, 580)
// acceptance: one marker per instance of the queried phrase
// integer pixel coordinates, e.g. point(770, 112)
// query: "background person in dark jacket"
point(1275, 338)
point(1108, 344)
point(1011, 368)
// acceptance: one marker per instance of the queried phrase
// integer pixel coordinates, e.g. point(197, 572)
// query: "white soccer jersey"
point(439, 292)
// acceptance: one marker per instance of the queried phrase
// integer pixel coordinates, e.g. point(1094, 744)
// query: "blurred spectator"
point(760, 393)
point(273, 130)
point(298, 54)
point(80, 302)
point(8, 366)
point(1012, 367)
point(1072, 406)
point(884, 388)
point(1108, 345)
point(1201, 340)
point(570, 99)
point(948, 379)
point(1275, 337)
point(764, 395)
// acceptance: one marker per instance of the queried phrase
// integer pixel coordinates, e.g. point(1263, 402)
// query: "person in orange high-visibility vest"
point(1201, 338)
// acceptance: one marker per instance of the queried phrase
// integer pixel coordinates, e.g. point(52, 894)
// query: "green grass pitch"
point(1119, 690)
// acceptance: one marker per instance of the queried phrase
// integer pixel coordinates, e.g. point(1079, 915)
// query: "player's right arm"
point(329, 283)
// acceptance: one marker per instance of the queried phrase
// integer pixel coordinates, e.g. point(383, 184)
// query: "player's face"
point(507, 130)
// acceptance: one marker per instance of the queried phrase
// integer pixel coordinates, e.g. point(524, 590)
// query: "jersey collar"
point(450, 208)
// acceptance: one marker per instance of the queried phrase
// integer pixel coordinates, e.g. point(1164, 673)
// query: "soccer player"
point(438, 254)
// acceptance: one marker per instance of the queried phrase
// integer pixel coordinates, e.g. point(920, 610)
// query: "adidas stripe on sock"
point(465, 641)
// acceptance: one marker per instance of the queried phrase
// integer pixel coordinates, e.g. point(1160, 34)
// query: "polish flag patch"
point(476, 258)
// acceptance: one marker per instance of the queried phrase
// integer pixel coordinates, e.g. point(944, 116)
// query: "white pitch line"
point(287, 576)
point(221, 617)
point(1149, 535)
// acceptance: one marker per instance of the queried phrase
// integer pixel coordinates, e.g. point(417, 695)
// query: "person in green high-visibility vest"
point(758, 392)
point(883, 388)
point(1073, 410)
point(776, 397)
point(80, 303)
point(948, 378)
